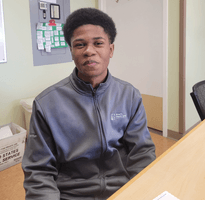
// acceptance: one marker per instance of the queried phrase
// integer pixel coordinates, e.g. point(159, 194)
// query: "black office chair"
point(198, 97)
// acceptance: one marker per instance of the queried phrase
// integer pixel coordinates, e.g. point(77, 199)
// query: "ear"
point(111, 50)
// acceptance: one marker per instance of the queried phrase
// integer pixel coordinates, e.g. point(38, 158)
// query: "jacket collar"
point(86, 88)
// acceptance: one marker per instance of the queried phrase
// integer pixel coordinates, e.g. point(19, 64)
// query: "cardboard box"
point(12, 148)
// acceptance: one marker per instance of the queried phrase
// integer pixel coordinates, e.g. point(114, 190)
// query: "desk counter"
point(180, 171)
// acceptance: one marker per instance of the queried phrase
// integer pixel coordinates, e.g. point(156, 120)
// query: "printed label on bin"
point(10, 152)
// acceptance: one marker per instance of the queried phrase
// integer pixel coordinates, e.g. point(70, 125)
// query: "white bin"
point(27, 107)
point(12, 148)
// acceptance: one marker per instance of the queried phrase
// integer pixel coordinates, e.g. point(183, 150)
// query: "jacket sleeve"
point(39, 161)
point(137, 139)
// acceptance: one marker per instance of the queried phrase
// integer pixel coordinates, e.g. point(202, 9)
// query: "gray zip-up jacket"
point(85, 143)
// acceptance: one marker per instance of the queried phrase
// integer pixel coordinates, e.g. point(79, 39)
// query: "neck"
point(94, 80)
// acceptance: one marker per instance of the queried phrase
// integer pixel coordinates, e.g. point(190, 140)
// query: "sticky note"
point(62, 43)
point(40, 33)
point(59, 28)
point(48, 48)
point(56, 39)
point(62, 39)
point(55, 32)
point(49, 28)
point(39, 36)
point(57, 44)
point(61, 33)
point(40, 47)
point(40, 41)
point(48, 42)
point(47, 33)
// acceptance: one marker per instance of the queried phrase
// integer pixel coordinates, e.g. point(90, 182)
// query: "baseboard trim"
point(170, 134)
point(174, 135)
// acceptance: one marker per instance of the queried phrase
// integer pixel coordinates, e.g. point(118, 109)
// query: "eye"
point(98, 43)
point(79, 45)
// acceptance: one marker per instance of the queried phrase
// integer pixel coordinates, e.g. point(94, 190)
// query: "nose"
point(89, 50)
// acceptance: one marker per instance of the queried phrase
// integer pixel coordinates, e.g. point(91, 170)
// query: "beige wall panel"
point(173, 65)
point(19, 79)
point(195, 59)
point(153, 108)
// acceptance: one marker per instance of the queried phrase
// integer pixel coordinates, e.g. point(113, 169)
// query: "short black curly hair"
point(85, 16)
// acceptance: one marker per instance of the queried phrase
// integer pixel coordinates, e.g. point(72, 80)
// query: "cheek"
point(75, 56)
point(107, 57)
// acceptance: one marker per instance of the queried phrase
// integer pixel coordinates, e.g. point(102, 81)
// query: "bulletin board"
point(3, 58)
point(50, 36)
point(48, 43)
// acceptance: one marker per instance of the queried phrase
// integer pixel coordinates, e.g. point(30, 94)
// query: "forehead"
point(89, 31)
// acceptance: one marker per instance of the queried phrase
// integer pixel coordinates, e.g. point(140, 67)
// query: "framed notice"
point(2, 36)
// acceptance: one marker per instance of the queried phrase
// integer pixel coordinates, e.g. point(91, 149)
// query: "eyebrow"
point(95, 38)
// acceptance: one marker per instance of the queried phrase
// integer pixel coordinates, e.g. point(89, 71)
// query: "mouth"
point(90, 63)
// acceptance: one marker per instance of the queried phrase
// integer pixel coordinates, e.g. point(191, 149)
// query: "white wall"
point(195, 54)
point(138, 47)
point(18, 77)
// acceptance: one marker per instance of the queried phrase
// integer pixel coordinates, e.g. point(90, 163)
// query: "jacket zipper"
point(103, 143)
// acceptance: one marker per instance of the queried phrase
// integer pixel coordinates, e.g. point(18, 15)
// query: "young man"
point(88, 133)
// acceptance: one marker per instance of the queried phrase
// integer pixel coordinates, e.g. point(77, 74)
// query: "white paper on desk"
point(165, 196)
point(5, 132)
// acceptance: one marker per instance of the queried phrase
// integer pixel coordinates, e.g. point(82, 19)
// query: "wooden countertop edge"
point(152, 164)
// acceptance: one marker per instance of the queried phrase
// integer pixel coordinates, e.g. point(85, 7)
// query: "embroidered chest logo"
point(116, 116)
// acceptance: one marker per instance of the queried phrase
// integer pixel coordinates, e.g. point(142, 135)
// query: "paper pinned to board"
point(5, 132)
point(40, 46)
point(48, 48)
point(62, 43)
point(166, 196)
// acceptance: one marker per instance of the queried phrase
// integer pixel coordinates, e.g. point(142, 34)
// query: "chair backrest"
point(198, 97)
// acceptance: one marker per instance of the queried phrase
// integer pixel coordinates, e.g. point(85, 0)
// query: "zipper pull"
point(94, 91)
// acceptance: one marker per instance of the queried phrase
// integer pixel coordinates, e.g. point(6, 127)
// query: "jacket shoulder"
point(53, 88)
point(126, 85)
